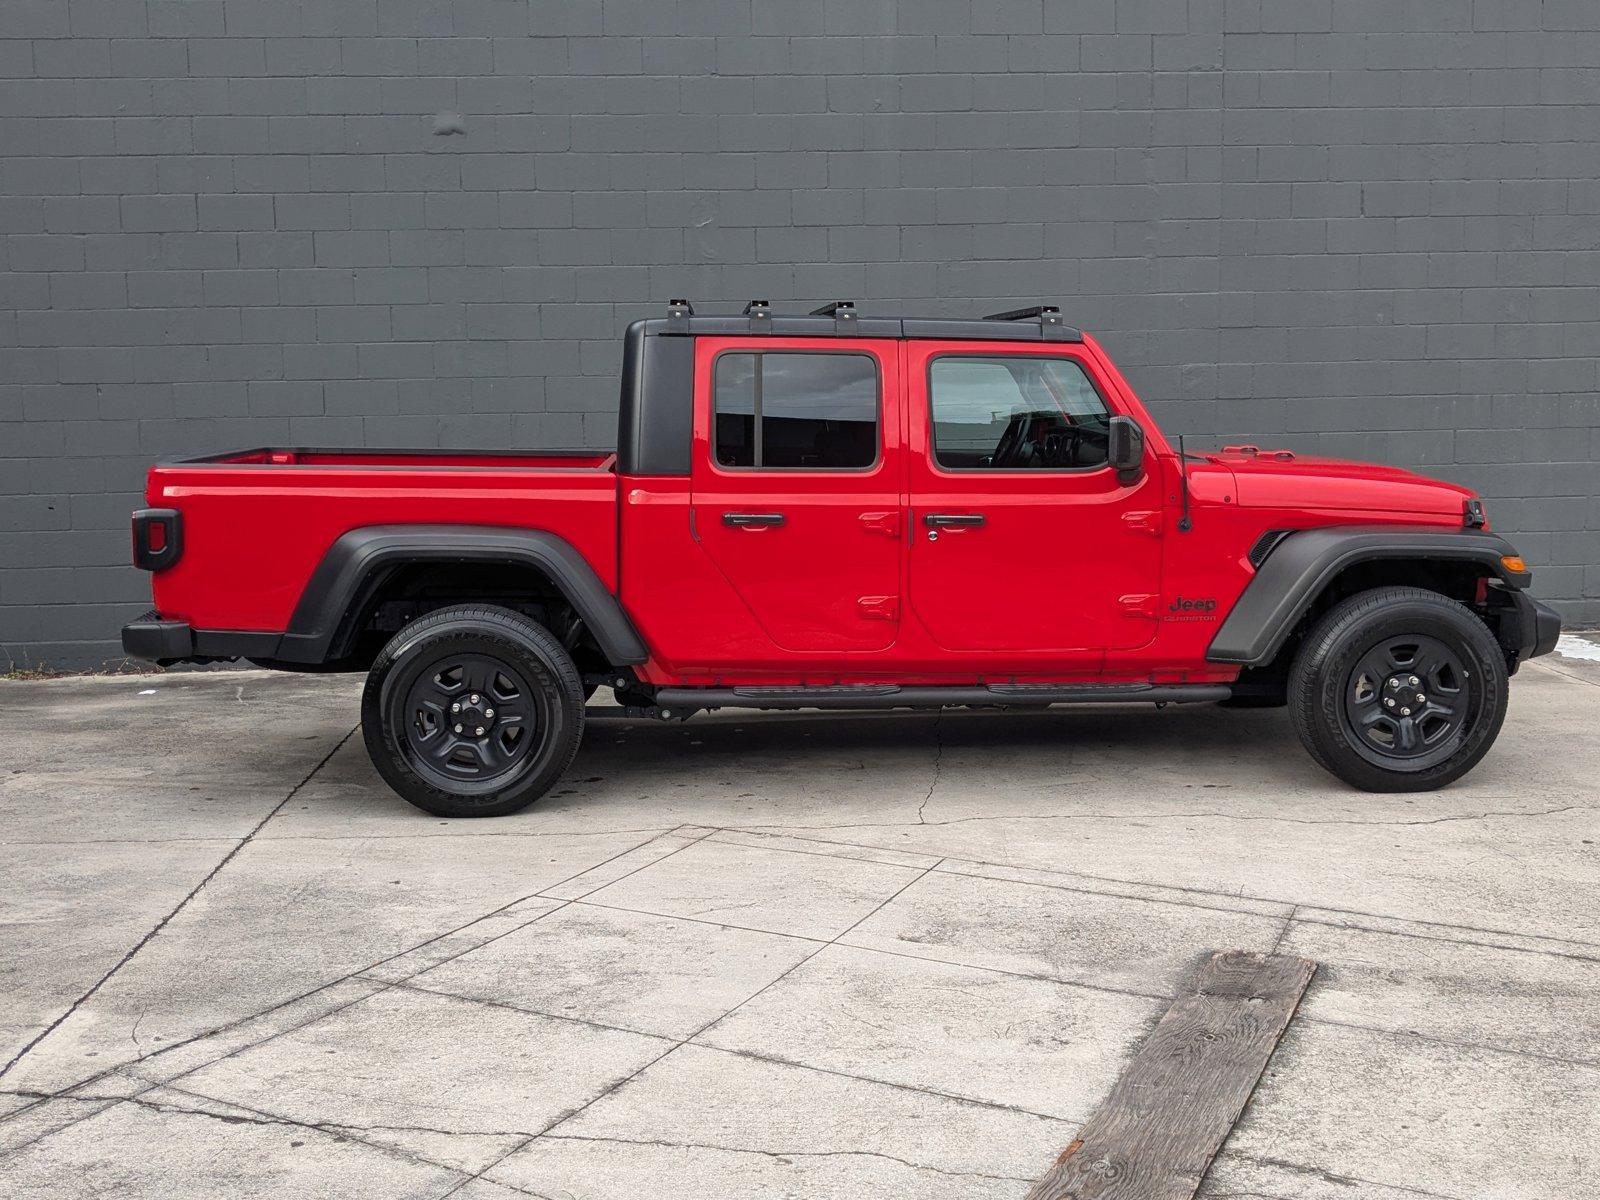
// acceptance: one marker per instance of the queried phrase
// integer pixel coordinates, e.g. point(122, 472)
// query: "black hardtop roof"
point(1039, 323)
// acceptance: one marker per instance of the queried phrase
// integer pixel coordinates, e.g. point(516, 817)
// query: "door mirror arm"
point(1125, 449)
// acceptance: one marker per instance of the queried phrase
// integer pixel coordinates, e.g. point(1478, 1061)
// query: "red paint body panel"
point(1073, 575)
point(254, 532)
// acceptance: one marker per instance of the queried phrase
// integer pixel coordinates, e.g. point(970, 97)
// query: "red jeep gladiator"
point(836, 511)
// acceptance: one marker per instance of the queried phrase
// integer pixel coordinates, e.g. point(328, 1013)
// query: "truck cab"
point(845, 511)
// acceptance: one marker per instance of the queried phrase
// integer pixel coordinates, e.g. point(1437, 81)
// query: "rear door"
point(1022, 537)
point(797, 479)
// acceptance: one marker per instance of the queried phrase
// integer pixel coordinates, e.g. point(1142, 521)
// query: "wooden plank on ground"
point(1173, 1106)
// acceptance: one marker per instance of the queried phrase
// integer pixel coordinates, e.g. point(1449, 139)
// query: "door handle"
point(740, 520)
point(942, 520)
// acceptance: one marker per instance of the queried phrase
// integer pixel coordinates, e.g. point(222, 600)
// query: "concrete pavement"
point(772, 954)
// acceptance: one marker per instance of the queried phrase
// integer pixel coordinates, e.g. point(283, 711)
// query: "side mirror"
point(1125, 449)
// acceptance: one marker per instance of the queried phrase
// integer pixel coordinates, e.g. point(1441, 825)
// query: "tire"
point(1358, 714)
point(508, 676)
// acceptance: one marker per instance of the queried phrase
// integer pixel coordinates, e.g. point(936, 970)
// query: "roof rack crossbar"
point(1023, 314)
point(1051, 326)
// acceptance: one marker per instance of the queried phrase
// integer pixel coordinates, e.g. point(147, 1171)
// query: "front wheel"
point(472, 711)
point(1398, 689)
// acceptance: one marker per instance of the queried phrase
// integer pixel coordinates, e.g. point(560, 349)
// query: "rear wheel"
point(472, 711)
point(1398, 690)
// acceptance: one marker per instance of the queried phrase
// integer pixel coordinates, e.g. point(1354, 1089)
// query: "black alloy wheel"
point(472, 711)
point(470, 721)
point(1408, 703)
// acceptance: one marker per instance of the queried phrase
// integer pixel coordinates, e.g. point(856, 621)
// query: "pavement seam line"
point(1551, 667)
point(737, 1052)
point(359, 976)
point(1301, 919)
point(181, 905)
point(1411, 1035)
point(262, 1117)
point(678, 1045)
point(1288, 924)
point(356, 975)
point(946, 869)
point(1108, 895)
point(1184, 816)
point(1332, 1177)
point(385, 986)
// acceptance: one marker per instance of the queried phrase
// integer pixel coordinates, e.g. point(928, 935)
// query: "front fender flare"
point(360, 557)
point(1306, 561)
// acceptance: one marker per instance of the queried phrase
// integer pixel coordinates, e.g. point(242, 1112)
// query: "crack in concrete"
point(938, 764)
point(181, 905)
point(783, 1155)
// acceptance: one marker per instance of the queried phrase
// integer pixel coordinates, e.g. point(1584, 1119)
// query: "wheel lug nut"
point(475, 695)
point(1414, 682)
point(480, 730)
point(1421, 699)
point(458, 729)
point(1390, 701)
point(488, 712)
point(1405, 712)
point(456, 707)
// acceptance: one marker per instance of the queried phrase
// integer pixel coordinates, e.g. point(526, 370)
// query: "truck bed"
point(255, 523)
point(266, 456)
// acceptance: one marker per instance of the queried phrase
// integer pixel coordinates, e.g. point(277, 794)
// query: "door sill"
point(887, 696)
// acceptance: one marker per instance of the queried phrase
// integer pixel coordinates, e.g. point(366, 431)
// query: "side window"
point(1015, 414)
point(796, 410)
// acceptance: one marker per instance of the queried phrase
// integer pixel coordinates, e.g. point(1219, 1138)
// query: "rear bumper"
point(156, 640)
point(165, 642)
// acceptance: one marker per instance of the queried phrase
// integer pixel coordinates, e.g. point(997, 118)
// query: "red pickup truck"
point(839, 511)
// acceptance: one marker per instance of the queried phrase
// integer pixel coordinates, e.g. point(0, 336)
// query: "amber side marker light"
point(1513, 562)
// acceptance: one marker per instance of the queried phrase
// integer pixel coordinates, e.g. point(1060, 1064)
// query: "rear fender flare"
point(1304, 563)
point(358, 558)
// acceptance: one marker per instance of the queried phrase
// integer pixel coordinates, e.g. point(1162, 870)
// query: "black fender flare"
point(361, 557)
point(1303, 563)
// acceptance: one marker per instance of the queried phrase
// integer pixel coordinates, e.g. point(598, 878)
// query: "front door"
point(1022, 538)
point(797, 485)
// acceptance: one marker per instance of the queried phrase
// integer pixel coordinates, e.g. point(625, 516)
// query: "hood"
point(1284, 479)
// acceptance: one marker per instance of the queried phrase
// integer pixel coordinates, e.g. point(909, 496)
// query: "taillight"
point(157, 538)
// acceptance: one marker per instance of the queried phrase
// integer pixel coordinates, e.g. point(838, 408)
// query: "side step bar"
point(680, 701)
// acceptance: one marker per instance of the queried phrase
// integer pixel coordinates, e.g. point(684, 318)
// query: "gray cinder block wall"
point(1358, 227)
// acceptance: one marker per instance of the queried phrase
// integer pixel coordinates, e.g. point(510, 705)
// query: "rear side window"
point(796, 411)
point(1015, 414)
